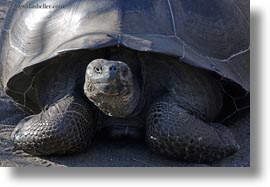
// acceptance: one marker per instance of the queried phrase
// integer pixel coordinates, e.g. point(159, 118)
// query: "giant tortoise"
point(163, 70)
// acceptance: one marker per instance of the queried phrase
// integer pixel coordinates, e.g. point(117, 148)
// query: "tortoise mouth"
point(111, 89)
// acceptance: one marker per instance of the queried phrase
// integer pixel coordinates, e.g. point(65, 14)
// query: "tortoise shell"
point(209, 34)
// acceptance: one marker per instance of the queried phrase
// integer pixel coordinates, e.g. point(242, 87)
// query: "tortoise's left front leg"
point(173, 131)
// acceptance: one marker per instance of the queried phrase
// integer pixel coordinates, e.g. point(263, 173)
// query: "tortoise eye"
point(98, 69)
point(125, 72)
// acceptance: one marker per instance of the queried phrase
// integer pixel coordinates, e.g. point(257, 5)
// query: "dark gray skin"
point(175, 103)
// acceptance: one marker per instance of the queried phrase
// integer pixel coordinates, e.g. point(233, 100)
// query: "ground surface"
point(107, 153)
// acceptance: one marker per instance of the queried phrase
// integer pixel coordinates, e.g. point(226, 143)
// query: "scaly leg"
point(174, 132)
point(67, 126)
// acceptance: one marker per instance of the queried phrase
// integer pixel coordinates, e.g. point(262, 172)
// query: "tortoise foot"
point(174, 132)
point(65, 127)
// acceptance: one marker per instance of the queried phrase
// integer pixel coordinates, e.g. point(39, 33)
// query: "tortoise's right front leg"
point(67, 126)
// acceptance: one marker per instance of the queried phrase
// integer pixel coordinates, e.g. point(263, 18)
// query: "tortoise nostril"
point(112, 68)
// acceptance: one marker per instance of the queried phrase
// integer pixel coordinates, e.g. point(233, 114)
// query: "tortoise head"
point(111, 86)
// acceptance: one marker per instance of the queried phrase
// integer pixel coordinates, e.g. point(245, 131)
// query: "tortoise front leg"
point(174, 132)
point(67, 126)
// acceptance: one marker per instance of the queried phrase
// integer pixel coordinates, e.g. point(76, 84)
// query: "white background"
point(257, 175)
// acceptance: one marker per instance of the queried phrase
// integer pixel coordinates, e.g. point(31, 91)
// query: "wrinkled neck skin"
point(119, 106)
